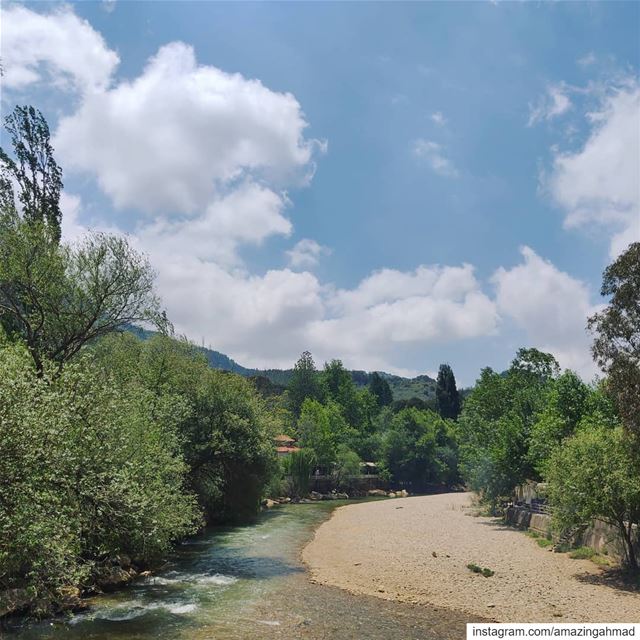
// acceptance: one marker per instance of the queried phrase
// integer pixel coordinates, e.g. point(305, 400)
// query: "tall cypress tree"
point(304, 383)
point(447, 396)
point(380, 388)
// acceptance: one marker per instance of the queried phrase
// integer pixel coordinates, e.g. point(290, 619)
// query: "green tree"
point(447, 396)
point(380, 388)
point(496, 423)
point(595, 475)
point(348, 465)
point(410, 449)
point(91, 469)
point(304, 383)
point(225, 429)
point(616, 347)
point(314, 429)
point(58, 298)
point(34, 169)
point(567, 403)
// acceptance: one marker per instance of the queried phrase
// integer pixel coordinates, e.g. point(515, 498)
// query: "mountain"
point(422, 387)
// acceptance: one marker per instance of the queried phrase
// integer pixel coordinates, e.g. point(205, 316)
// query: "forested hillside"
point(421, 387)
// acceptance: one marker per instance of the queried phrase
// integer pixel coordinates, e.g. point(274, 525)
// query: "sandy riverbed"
point(387, 549)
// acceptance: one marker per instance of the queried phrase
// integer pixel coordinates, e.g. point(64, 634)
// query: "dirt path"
point(417, 550)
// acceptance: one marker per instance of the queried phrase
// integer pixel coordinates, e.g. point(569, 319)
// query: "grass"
point(582, 553)
point(544, 542)
point(486, 572)
point(532, 534)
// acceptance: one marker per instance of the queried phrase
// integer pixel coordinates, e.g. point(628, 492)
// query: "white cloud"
point(181, 134)
point(248, 215)
point(306, 253)
point(389, 309)
point(438, 118)
point(58, 46)
point(550, 306)
point(435, 156)
point(598, 186)
point(555, 103)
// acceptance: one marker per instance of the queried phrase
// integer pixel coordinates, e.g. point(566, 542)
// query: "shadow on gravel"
point(613, 578)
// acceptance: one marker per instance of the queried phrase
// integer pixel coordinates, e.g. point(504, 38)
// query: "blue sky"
point(397, 142)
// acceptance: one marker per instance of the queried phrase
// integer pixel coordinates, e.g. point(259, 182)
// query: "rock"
point(145, 574)
point(108, 578)
point(123, 560)
point(268, 503)
point(434, 554)
point(391, 494)
point(377, 492)
point(306, 501)
point(314, 495)
point(69, 599)
point(403, 494)
point(491, 605)
point(284, 500)
point(341, 496)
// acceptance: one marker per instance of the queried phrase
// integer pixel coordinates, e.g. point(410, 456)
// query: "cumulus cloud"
point(598, 185)
point(248, 215)
point(181, 133)
point(556, 102)
point(306, 253)
point(435, 156)
point(57, 46)
point(390, 308)
point(550, 306)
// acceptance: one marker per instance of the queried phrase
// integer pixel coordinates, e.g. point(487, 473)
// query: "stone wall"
point(599, 536)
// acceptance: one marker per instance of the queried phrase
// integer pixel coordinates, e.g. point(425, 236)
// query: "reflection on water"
point(245, 582)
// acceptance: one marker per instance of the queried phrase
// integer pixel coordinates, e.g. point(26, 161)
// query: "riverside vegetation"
point(114, 447)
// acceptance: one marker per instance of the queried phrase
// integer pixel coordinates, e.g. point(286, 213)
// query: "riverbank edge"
point(312, 575)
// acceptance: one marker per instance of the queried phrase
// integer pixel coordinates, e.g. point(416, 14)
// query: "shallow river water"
point(243, 583)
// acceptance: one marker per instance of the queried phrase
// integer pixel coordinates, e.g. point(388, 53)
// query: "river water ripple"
point(245, 583)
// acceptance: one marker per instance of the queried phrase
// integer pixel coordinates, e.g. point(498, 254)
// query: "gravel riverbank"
point(416, 550)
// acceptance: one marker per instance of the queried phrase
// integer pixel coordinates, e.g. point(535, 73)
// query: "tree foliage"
point(90, 469)
point(447, 396)
point(380, 388)
point(616, 347)
point(304, 383)
point(57, 298)
point(34, 170)
point(596, 475)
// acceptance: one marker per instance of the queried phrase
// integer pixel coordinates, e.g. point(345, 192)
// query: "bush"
point(596, 474)
point(89, 472)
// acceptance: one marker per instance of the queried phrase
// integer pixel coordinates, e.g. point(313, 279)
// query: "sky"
point(394, 184)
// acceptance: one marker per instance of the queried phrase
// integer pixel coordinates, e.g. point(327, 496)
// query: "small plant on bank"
point(544, 542)
point(582, 553)
point(486, 572)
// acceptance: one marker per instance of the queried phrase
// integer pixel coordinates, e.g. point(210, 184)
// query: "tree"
point(616, 347)
point(413, 449)
point(380, 388)
point(314, 427)
point(34, 169)
point(447, 396)
point(596, 475)
point(225, 430)
point(495, 426)
point(304, 383)
point(57, 298)
point(567, 404)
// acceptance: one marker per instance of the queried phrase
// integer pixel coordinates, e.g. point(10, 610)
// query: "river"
point(246, 582)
